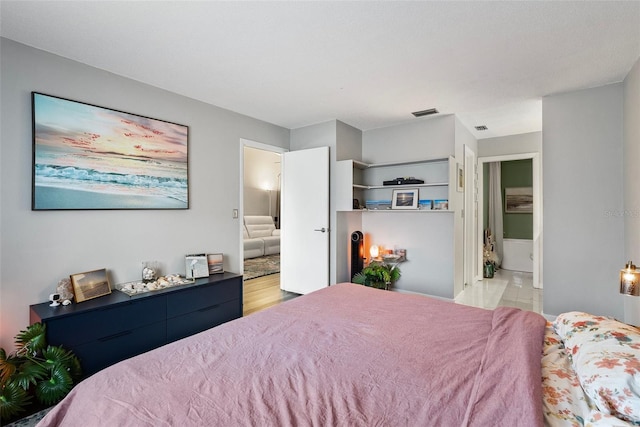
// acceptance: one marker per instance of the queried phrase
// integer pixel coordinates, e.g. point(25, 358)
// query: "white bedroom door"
point(304, 240)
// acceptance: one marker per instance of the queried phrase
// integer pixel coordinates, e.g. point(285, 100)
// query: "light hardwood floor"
point(263, 292)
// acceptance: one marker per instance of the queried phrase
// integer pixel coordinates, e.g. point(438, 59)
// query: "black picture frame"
point(89, 157)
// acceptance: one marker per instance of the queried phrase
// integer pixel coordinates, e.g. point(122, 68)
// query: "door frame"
point(537, 210)
point(260, 146)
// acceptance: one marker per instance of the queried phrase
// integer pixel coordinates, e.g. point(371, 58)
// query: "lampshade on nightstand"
point(630, 280)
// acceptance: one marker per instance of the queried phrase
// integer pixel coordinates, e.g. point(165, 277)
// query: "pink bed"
point(342, 356)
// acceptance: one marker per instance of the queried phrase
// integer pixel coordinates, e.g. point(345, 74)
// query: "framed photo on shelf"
point(89, 285)
point(215, 263)
point(405, 199)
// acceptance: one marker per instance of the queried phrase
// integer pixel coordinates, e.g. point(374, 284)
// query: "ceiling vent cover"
point(483, 127)
point(425, 112)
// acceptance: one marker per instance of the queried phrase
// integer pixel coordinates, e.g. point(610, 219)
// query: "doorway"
point(259, 223)
point(536, 190)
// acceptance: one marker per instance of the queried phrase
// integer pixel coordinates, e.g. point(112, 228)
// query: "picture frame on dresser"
point(90, 285)
point(406, 198)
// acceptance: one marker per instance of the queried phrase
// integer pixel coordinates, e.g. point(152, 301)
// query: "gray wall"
point(39, 248)
point(582, 168)
point(631, 162)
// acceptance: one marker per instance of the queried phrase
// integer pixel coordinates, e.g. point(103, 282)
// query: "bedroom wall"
point(39, 248)
point(631, 131)
point(582, 168)
point(428, 237)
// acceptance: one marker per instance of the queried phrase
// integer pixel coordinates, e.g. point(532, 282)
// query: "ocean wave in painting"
point(104, 182)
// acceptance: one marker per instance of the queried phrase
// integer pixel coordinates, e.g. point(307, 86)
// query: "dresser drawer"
point(202, 297)
point(203, 319)
point(81, 328)
point(111, 349)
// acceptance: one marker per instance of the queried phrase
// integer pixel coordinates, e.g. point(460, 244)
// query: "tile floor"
point(506, 288)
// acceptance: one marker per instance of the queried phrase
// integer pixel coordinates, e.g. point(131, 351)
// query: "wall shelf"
point(364, 181)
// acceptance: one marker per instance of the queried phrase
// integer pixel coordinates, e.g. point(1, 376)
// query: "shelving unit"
point(363, 181)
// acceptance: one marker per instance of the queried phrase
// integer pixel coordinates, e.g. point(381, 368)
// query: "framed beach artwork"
point(405, 199)
point(89, 285)
point(90, 157)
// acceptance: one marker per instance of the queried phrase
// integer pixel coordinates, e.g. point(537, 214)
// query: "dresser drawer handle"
point(211, 307)
point(114, 336)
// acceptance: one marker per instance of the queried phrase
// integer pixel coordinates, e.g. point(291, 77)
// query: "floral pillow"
point(605, 354)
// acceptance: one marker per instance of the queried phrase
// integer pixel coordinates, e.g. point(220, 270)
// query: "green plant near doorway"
point(378, 275)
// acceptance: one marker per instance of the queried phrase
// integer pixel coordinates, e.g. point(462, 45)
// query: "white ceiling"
point(368, 64)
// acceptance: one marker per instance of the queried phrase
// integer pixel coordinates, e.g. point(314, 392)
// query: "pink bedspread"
point(343, 356)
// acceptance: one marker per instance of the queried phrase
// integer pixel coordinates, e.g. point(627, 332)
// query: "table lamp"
point(630, 280)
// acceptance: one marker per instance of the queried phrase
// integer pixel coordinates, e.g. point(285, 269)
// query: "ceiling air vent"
point(483, 127)
point(425, 112)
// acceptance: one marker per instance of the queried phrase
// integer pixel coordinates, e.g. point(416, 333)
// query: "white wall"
point(583, 196)
point(38, 248)
point(511, 144)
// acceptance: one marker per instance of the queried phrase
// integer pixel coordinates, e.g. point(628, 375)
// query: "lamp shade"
point(374, 251)
point(630, 280)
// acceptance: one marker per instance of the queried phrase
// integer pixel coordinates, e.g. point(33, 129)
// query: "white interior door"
point(304, 240)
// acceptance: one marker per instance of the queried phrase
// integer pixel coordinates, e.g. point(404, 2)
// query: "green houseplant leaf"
point(48, 372)
point(31, 340)
point(13, 399)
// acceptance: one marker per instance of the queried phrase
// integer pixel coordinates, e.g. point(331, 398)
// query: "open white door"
point(304, 242)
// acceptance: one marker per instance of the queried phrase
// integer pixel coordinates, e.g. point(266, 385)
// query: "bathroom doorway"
point(523, 235)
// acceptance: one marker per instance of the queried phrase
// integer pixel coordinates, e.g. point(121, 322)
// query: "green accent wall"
point(515, 173)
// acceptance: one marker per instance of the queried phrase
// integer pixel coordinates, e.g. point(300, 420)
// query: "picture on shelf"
point(92, 284)
point(441, 205)
point(196, 266)
point(405, 199)
point(215, 263)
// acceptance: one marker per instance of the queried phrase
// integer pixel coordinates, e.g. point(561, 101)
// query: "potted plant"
point(35, 369)
point(378, 275)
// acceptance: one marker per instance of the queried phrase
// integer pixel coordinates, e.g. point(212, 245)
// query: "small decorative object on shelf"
point(65, 290)
point(405, 199)
point(425, 204)
point(140, 287)
point(403, 181)
point(196, 266)
point(150, 271)
point(441, 205)
point(89, 285)
point(215, 262)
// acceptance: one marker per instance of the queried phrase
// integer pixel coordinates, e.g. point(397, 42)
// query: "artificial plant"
point(35, 369)
point(378, 275)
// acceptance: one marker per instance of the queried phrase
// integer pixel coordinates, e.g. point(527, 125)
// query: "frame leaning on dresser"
point(114, 327)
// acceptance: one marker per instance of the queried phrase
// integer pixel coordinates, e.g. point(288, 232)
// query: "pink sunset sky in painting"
point(71, 125)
